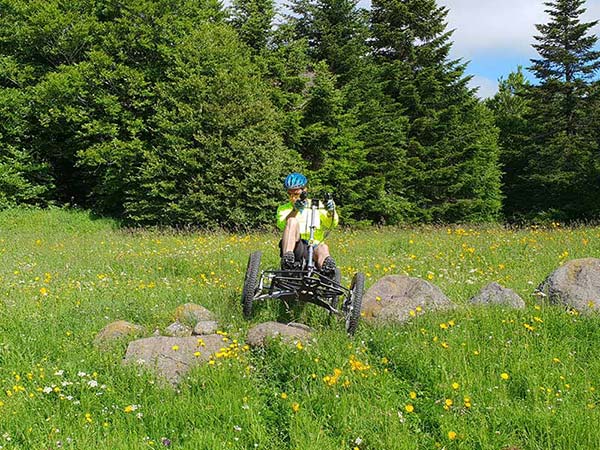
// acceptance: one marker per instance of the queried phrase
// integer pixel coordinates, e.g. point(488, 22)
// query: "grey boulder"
point(575, 284)
point(206, 327)
point(496, 294)
point(190, 314)
point(259, 335)
point(397, 298)
point(178, 329)
point(170, 358)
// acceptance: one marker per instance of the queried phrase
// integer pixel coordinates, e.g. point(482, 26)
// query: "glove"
point(299, 205)
point(330, 205)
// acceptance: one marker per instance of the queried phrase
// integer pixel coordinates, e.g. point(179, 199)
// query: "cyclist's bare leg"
point(291, 235)
point(321, 252)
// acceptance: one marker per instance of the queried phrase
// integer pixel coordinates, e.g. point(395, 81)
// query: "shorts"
point(300, 250)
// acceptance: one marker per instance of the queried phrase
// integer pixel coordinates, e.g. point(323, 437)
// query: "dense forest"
point(187, 112)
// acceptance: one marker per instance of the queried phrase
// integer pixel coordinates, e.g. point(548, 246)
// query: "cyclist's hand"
point(330, 205)
point(299, 205)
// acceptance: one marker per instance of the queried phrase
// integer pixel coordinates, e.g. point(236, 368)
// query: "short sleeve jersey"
point(324, 220)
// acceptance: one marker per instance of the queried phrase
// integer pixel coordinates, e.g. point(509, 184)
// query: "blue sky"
point(495, 36)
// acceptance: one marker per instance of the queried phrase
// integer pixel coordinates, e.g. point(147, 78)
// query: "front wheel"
point(250, 283)
point(352, 310)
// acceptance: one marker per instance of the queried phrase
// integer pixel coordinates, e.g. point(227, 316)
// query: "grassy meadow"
point(472, 378)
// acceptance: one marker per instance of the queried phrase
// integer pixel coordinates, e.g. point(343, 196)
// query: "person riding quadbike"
point(308, 273)
point(294, 219)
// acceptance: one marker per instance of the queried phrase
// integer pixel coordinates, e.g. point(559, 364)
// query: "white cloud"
point(486, 25)
point(486, 87)
point(489, 24)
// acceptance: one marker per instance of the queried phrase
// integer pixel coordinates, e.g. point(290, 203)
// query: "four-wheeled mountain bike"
point(305, 284)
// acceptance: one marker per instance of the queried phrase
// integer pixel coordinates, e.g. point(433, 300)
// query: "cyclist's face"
point(294, 194)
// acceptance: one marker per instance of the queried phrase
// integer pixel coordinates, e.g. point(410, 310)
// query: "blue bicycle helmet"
point(294, 181)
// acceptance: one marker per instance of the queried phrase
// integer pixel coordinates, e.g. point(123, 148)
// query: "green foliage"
point(24, 177)
point(253, 20)
point(41, 36)
point(189, 113)
point(336, 32)
point(556, 163)
point(511, 107)
point(451, 149)
point(166, 120)
point(330, 144)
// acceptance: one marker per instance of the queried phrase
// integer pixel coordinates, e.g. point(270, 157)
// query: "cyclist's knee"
point(323, 249)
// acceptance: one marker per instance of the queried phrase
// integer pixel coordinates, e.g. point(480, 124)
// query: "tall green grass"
point(471, 378)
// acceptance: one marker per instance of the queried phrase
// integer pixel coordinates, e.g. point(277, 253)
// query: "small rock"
point(190, 314)
point(206, 327)
point(178, 329)
point(495, 294)
point(116, 331)
point(259, 335)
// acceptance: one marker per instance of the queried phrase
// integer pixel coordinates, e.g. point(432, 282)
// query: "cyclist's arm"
point(329, 220)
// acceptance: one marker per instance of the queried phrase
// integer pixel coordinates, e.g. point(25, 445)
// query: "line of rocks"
point(194, 338)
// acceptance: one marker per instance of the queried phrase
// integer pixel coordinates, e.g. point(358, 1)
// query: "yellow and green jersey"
point(325, 221)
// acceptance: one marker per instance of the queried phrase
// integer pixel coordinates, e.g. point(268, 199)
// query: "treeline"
point(184, 112)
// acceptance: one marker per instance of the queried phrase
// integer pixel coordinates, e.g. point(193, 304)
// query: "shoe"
point(288, 261)
point(328, 267)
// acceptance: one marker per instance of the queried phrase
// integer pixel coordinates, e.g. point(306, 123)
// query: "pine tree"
point(451, 152)
point(567, 61)
point(336, 32)
point(511, 107)
point(564, 149)
point(253, 20)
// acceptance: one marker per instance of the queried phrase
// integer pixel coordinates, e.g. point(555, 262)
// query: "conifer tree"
point(451, 146)
point(567, 61)
point(253, 20)
point(336, 32)
point(511, 107)
point(564, 153)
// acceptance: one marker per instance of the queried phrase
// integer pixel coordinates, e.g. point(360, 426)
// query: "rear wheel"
point(352, 311)
point(250, 283)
